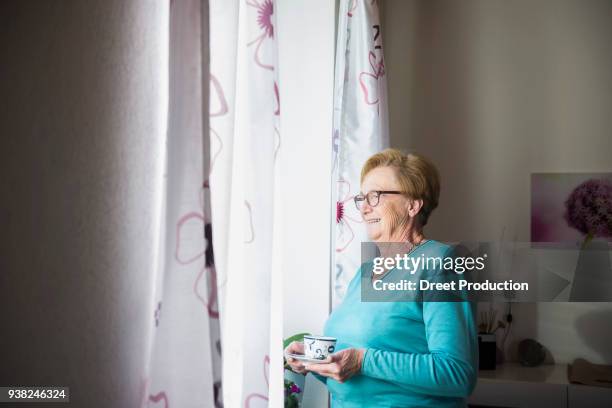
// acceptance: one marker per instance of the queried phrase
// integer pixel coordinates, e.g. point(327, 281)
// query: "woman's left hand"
point(339, 366)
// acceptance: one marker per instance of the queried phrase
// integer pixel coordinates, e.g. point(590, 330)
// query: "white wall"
point(80, 153)
point(306, 69)
point(492, 91)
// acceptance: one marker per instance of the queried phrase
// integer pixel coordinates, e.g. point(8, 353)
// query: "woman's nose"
point(366, 208)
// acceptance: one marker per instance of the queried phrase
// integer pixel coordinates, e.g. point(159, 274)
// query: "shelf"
point(515, 386)
point(515, 372)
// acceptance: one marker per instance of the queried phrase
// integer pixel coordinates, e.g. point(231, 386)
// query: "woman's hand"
point(339, 366)
point(295, 347)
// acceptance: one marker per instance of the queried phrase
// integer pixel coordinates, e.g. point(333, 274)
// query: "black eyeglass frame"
point(366, 197)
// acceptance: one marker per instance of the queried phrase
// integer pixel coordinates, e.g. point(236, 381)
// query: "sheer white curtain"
point(184, 368)
point(245, 147)
point(360, 126)
point(232, 306)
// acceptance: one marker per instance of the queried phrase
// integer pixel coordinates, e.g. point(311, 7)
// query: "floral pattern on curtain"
point(360, 127)
point(184, 367)
point(245, 147)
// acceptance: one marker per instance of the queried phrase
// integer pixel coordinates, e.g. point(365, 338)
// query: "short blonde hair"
point(418, 177)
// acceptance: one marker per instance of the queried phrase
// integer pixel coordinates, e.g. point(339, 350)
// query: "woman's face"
point(390, 219)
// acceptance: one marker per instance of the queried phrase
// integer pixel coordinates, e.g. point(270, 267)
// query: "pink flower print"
point(183, 256)
point(145, 401)
point(160, 396)
point(369, 80)
point(210, 284)
point(184, 253)
point(255, 396)
point(218, 103)
point(218, 107)
point(210, 302)
point(345, 231)
point(352, 7)
point(265, 12)
point(277, 111)
point(216, 154)
point(339, 211)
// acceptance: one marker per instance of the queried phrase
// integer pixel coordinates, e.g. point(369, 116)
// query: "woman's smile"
point(385, 218)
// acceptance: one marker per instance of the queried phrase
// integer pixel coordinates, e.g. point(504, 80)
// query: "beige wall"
point(80, 149)
point(492, 91)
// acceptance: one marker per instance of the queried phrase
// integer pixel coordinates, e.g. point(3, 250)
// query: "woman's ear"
point(415, 207)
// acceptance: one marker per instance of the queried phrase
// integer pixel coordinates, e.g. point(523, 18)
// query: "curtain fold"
point(245, 146)
point(360, 128)
point(184, 367)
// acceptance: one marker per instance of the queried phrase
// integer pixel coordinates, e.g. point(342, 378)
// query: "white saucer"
point(301, 357)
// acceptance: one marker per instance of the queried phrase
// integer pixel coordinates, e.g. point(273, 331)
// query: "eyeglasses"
point(373, 197)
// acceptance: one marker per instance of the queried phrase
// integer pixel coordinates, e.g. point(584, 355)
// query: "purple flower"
point(589, 208)
point(265, 11)
point(295, 389)
point(339, 211)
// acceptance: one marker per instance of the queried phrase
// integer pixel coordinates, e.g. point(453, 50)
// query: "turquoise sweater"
point(418, 354)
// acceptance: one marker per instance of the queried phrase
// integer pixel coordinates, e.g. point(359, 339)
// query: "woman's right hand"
point(295, 347)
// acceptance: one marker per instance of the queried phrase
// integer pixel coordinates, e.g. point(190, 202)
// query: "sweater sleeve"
point(448, 369)
point(319, 377)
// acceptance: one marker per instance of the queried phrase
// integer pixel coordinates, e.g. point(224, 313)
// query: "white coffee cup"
point(319, 347)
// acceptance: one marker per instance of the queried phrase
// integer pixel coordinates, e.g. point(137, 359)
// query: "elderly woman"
point(398, 354)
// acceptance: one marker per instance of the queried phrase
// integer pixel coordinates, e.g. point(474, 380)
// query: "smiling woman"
point(398, 353)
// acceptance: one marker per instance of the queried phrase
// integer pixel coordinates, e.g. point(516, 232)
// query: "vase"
point(593, 277)
point(487, 351)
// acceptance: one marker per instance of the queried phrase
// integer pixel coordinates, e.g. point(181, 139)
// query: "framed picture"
point(571, 208)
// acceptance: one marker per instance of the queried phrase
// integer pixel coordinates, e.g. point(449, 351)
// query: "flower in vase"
point(291, 389)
